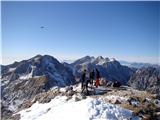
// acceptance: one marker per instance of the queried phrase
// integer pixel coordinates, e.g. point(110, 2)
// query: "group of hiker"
point(85, 81)
point(92, 77)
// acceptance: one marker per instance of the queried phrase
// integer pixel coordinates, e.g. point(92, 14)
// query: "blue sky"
point(124, 30)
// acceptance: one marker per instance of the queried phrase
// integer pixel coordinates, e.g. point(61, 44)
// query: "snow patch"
point(99, 110)
point(27, 76)
point(4, 82)
point(115, 97)
point(11, 69)
point(14, 105)
point(101, 62)
point(88, 109)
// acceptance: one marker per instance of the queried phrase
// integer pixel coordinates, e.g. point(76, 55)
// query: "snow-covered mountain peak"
point(87, 58)
point(44, 58)
point(92, 60)
point(84, 60)
point(100, 60)
point(109, 69)
point(38, 56)
point(99, 57)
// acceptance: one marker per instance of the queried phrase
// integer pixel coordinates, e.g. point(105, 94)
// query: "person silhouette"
point(97, 78)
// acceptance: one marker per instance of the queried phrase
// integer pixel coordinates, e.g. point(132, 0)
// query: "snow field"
point(87, 109)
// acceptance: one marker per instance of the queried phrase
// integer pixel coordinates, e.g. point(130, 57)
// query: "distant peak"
point(37, 56)
point(100, 57)
point(44, 57)
point(107, 59)
point(48, 56)
point(113, 59)
point(87, 56)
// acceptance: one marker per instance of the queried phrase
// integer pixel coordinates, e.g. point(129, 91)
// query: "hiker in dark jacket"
point(85, 82)
point(91, 77)
point(83, 78)
point(97, 78)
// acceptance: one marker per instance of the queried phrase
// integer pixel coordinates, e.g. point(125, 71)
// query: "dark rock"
point(116, 102)
point(70, 93)
point(147, 78)
point(77, 99)
point(5, 113)
point(68, 98)
point(16, 117)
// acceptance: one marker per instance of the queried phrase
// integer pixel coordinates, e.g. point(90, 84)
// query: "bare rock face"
point(147, 78)
point(6, 113)
point(16, 117)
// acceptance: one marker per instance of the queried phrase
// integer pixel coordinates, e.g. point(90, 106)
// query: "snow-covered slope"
point(123, 103)
point(88, 109)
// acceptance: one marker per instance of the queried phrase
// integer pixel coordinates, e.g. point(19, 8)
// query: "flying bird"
point(42, 27)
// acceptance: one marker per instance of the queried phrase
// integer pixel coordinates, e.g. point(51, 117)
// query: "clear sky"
point(124, 30)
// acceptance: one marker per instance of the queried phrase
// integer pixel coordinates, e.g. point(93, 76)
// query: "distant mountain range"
point(137, 64)
point(110, 69)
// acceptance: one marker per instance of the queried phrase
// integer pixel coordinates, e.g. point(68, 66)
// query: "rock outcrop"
point(147, 78)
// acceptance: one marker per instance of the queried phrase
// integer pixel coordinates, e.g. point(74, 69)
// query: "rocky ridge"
point(146, 78)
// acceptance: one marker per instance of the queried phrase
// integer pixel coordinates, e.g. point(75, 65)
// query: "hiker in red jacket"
point(97, 78)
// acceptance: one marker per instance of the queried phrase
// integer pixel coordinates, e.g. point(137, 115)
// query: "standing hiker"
point(85, 82)
point(91, 77)
point(86, 86)
point(83, 78)
point(97, 78)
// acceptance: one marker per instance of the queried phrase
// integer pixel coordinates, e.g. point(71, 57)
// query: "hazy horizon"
point(19, 59)
point(126, 31)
